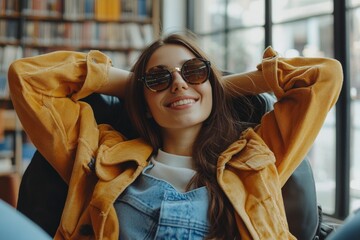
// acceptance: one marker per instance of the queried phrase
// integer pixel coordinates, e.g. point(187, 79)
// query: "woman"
point(196, 171)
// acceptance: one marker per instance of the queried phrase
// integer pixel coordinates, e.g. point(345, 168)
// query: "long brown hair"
point(220, 129)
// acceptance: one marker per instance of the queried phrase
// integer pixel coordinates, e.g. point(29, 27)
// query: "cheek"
point(206, 92)
point(152, 101)
point(209, 103)
point(206, 104)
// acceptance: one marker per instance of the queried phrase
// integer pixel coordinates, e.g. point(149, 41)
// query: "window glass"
point(322, 158)
point(290, 10)
point(214, 46)
point(355, 108)
point(354, 3)
point(245, 13)
point(245, 48)
point(310, 38)
point(209, 15)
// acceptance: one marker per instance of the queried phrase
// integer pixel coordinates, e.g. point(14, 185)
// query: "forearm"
point(117, 81)
point(249, 83)
point(306, 89)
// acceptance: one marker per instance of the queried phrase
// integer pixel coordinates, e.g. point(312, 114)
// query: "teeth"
point(182, 102)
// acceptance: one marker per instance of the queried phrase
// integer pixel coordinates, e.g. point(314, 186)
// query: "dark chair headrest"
point(110, 110)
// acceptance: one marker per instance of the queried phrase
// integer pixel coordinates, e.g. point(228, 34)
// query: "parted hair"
point(219, 130)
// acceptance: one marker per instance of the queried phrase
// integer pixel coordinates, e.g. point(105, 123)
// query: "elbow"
point(12, 74)
point(337, 75)
point(334, 71)
point(331, 79)
point(331, 72)
point(14, 79)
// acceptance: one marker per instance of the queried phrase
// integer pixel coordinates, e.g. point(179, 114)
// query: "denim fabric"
point(151, 208)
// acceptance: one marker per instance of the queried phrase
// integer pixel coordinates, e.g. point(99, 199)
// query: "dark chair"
point(42, 192)
point(350, 229)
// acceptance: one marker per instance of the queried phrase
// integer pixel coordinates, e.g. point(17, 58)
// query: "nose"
point(178, 82)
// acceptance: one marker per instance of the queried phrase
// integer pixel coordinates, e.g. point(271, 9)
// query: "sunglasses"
point(193, 71)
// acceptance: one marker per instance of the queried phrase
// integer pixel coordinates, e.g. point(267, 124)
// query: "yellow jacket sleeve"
point(306, 89)
point(44, 91)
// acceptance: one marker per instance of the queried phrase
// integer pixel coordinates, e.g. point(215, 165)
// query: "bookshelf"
point(119, 28)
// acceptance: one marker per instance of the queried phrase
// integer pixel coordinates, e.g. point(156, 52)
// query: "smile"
point(182, 102)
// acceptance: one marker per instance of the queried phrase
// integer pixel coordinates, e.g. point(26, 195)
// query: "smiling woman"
point(185, 106)
point(197, 171)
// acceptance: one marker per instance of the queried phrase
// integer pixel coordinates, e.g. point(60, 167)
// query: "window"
point(235, 33)
point(231, 31)
point(299, 9)
point(354, 45)
point(302, 28)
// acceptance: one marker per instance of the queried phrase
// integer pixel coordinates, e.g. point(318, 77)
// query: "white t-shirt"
point(175, 169)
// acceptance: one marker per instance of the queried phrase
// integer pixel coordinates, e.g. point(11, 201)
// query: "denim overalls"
point(151, 208)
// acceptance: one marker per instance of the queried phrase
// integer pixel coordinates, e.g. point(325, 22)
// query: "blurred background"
point(234, 33)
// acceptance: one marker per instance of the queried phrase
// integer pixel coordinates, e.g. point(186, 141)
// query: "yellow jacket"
point(46, 89)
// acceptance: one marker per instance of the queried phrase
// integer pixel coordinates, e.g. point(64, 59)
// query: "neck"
point(180, 141)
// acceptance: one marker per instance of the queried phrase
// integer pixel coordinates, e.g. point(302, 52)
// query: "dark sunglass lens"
point(157, 78)
point(195, 71)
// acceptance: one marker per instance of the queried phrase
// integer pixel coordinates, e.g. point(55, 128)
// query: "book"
point(9, 53)
point(107, 10)
point(135, 38)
